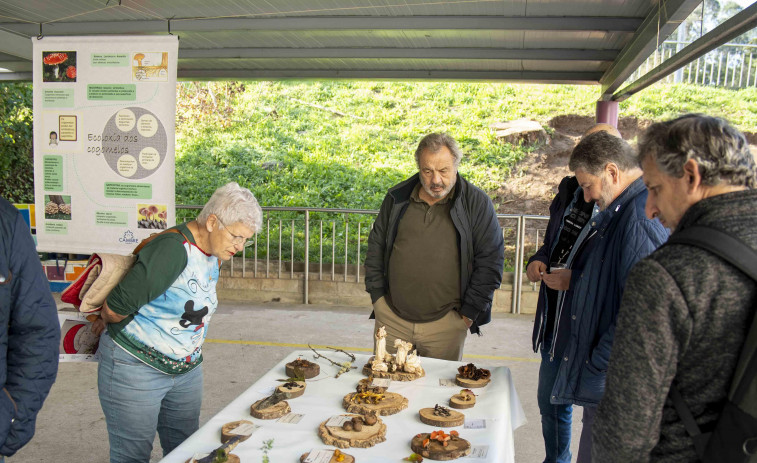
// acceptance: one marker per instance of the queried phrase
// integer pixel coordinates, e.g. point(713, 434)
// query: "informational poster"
point(104, 115)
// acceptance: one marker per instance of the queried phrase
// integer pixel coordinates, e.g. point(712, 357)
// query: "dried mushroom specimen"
point(367, 398)
point(470, 371)
point(370, 419)
point(441, 411)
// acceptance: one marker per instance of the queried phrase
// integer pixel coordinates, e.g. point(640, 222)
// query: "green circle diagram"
point(134, 143)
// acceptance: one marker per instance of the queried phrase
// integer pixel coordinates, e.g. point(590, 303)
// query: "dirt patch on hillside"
point(534, 181)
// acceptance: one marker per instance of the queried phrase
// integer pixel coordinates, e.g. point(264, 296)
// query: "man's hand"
point(558, 280)
point(468, 321)
point(535, 270)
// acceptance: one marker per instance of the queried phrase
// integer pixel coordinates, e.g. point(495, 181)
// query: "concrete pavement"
point(245, 341)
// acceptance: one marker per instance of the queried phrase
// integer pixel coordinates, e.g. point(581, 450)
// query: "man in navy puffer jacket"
point(569, 215)
point(617, 237)
point(29, 332)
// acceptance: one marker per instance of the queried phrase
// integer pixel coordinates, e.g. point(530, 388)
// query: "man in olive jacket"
point(435, 255)
point(685, 312)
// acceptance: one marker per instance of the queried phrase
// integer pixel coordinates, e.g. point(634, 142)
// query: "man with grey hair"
point(569, 217)
point(614, 240)
point(435, 255)
point(685, 312)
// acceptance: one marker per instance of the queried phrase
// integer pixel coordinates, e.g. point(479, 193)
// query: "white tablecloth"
point(497, 404)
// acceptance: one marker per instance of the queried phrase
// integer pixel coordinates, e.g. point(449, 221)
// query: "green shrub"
point(16, 149)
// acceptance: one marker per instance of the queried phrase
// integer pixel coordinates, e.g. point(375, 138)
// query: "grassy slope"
point(318, 159)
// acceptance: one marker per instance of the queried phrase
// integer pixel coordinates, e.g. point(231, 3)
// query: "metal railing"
point(732, 65)
point(297, 242)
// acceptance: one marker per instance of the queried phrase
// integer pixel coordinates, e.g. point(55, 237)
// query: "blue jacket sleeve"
point(33, 337)
point(640, 239)
point(488, 261)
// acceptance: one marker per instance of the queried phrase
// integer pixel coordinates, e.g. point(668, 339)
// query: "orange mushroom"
point(55, 60)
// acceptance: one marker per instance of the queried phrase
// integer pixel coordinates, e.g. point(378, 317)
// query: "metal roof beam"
point(543, 23)
point(15, 45)
point(15, 76)
point(543, 77)
point(740, 23)
point(16, 66)
point(661, 22)
point(410, 53)
point(494, 76)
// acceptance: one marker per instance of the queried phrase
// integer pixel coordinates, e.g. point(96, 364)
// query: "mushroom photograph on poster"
point(59, 66)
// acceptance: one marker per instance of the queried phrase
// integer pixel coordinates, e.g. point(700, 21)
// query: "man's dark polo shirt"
point(424, 267)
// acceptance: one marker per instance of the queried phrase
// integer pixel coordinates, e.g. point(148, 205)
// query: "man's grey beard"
point(605, 195)
point(439, 195)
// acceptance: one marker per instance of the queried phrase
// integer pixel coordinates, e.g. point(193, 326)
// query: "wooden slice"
point(457, 401)
point(456, 447)
point(347, 458)
point(308, 368)
point(454, 418)
point(228, 427)
point(270, 413)
point(396, 376)
point(465, 382)
point(392, 403)
point(292, 391)
point(367, 437)
point(230, 459)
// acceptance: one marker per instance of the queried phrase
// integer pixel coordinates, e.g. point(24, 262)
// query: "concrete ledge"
point(344, 293)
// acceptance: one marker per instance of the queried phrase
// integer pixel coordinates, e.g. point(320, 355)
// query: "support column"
point(607, 113)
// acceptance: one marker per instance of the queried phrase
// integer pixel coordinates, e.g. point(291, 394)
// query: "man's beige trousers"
point(441, 339)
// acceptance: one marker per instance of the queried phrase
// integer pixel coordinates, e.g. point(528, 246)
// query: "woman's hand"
point(98, 326)
point(109, 316)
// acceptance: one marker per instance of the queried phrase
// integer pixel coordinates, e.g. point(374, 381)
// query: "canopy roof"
point(542, 41)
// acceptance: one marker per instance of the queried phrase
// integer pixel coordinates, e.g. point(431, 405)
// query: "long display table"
point(488, 426)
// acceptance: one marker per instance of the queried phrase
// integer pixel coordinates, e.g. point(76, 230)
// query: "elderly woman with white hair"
point(150, 372)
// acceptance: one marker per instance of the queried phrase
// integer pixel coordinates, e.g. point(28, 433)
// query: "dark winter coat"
point(480, 243)
point(683, 320)
point(622, 235)
point(29, 332)
point(565, 194)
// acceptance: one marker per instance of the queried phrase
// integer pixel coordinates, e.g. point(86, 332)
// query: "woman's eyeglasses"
point(235, 240)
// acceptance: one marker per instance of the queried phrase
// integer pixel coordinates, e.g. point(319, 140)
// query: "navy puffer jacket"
point(623, 236)
point(29, 332)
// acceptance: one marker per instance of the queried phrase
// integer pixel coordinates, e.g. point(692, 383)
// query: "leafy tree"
point(697, 24)
point(16, 149)
point(715, 14)
point(728, 11)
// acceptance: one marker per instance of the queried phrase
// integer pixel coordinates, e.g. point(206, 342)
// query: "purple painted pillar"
point(607, 113)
